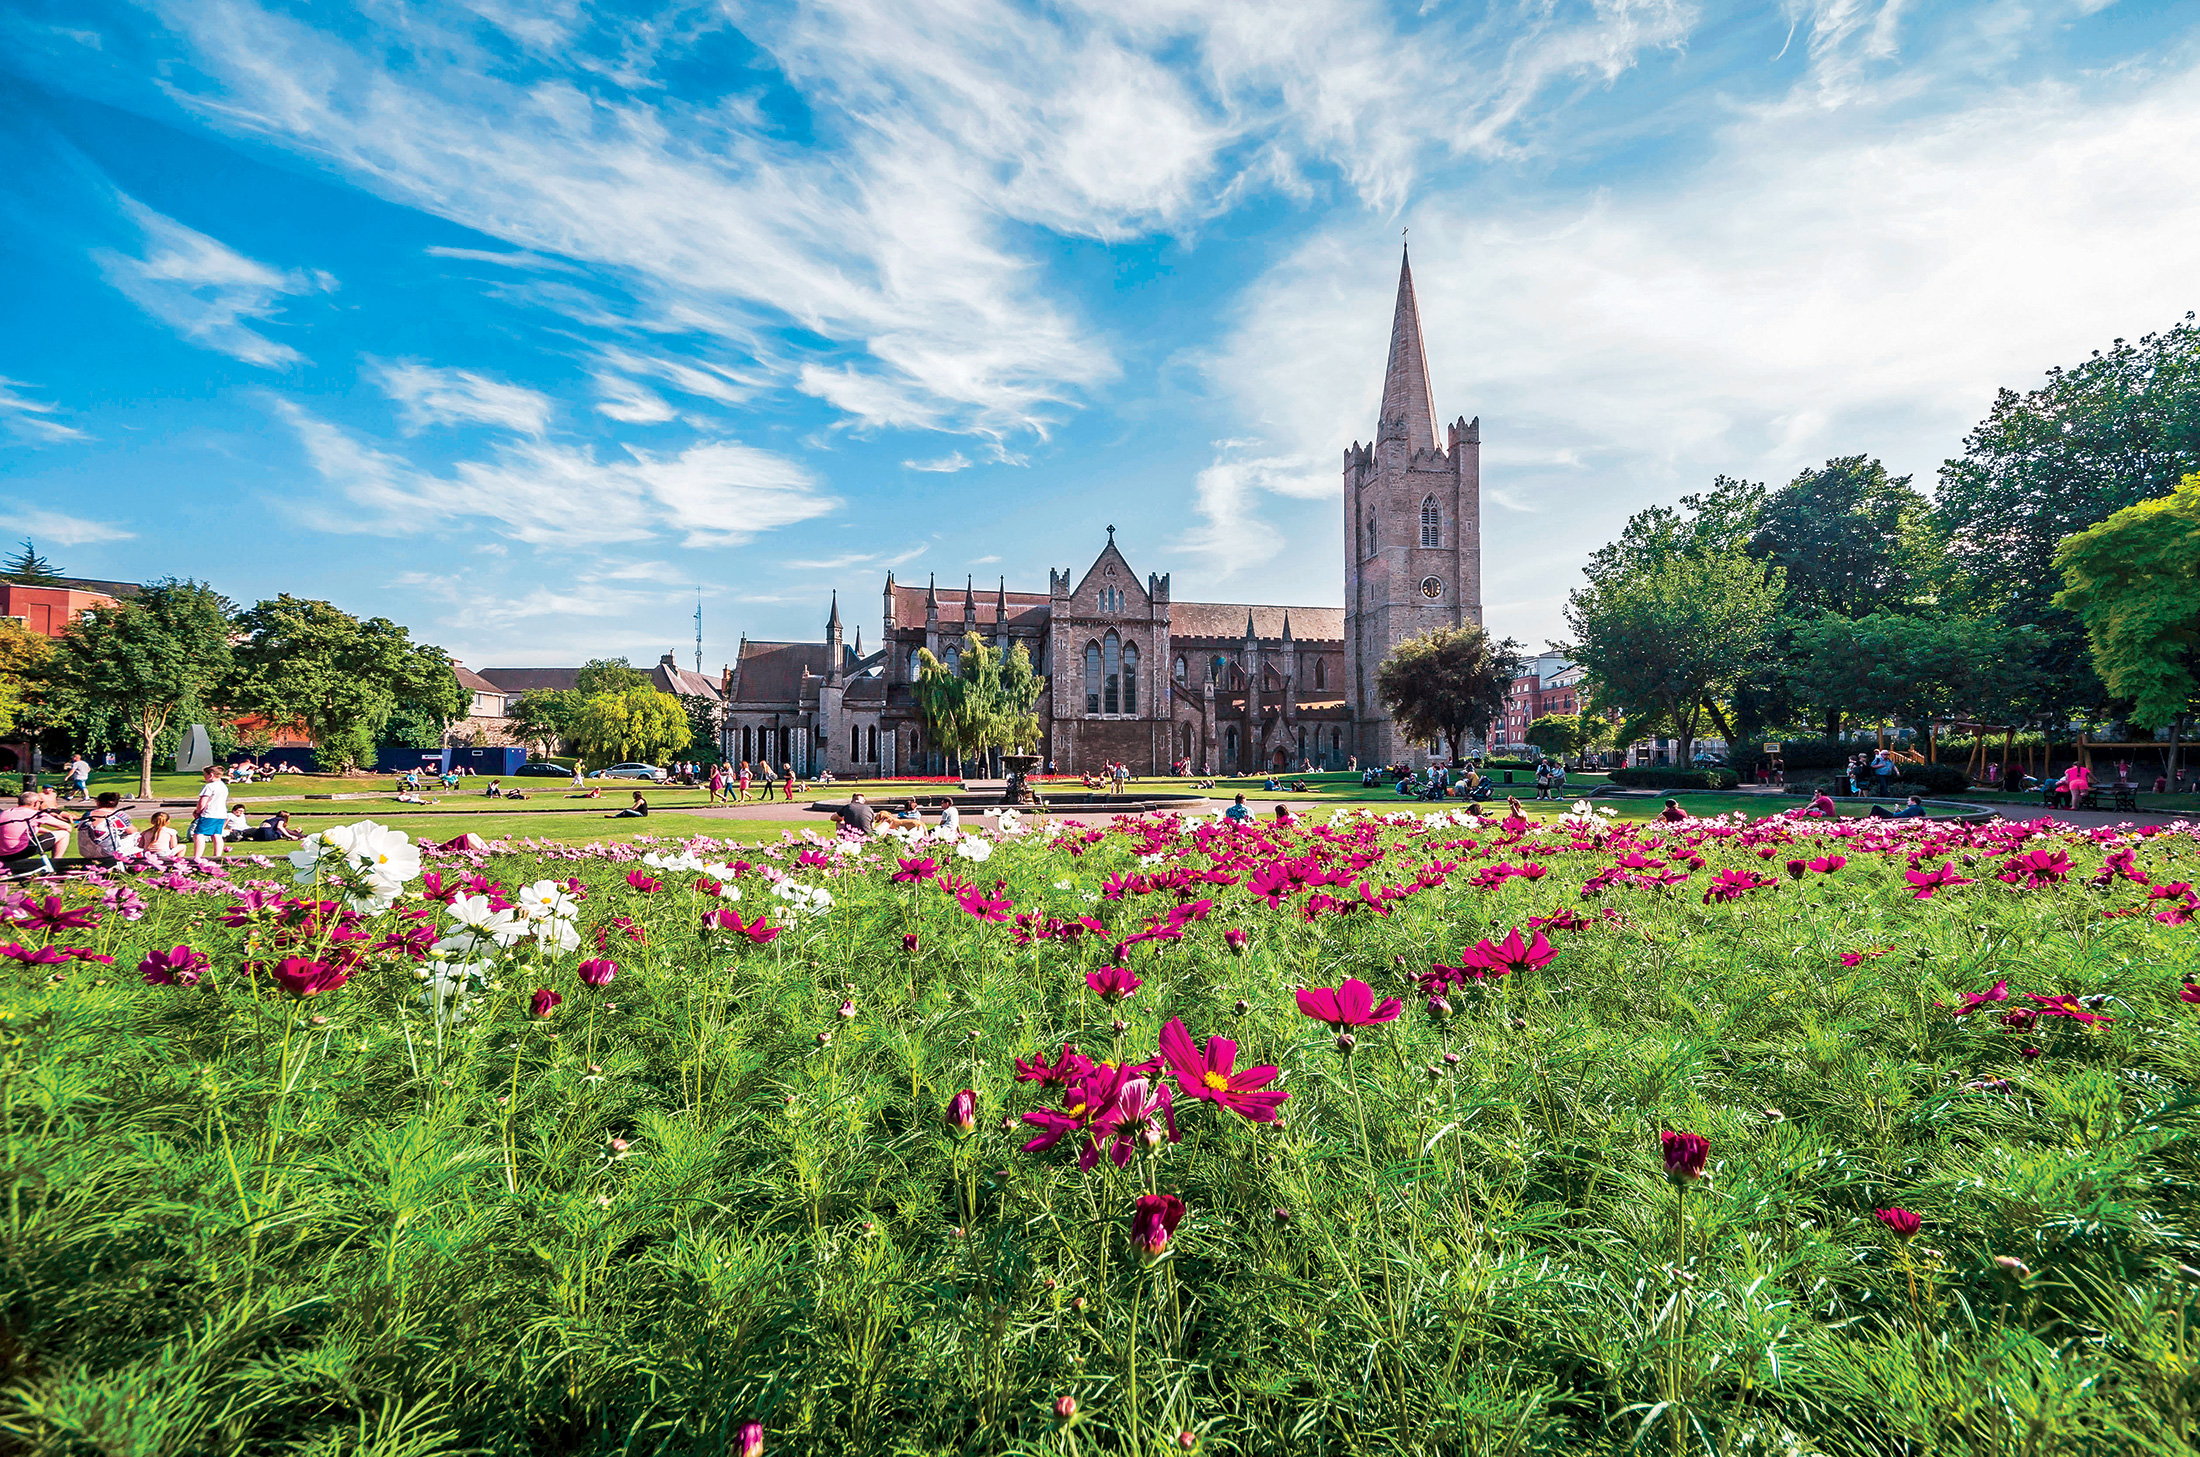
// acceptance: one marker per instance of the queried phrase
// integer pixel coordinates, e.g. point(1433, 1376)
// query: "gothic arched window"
point(1180, 670)
point(1218, 668)
point(1370, 534)
point(1432, 523)
point(954, 658)
point(1092, 677)
point(855, 741)
point(914, 666)
point(1321, 674)
point(1130, 677)
point(1230, 745)
point(1111, 669)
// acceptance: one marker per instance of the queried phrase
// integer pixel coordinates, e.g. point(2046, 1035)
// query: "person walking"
point(79, 775)
point(786, 780)
point(741, 783)
point(210, 816)
point(717, 785)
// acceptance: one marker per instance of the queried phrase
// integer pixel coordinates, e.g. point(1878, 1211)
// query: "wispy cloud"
point(428, 396)
point(945, 464)
point(203, 289)
point(40, 524)
point(32, 419)
point(715, 493)
point(876, 559)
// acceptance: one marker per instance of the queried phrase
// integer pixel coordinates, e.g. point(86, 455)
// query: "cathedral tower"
point(1412, 529)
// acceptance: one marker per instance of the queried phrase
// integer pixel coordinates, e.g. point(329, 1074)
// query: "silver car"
point(632, 771)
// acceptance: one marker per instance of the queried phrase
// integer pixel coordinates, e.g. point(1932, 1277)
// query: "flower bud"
point(824, 1038)
point(847, 1010)
point(1065, 1407)
point(909, 941)
point(1120, 1025)
point(1439, 1008)
point(2013, 1268)
point(749, 1440)
point(1242, 1007)
point(962, 1111)
point(1345, 1041)
point(1451, 1059)
point(1235, 940)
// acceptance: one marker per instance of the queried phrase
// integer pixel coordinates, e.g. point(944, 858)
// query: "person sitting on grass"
point(1914, 810)
point(1672, 811)
point(513, 794)
point(1284, 815)
point(1238, 812)
point(239, 826)
point(276, 827)
point(105, 831)
point(495, 790)
point(855, 816)
point(159, 837)
point(411, 796)
point(638, 810)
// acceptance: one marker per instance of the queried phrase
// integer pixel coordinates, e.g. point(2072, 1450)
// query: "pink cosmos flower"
point(1153, 1222)
point(2188, 993)
point(50, 915)
point(1209, 1074)
point(596, 972)
point(1684, 1155)
point(1351, 1004)
point(976, 903)
point(1036, 1069)
point(1113, 982)
point(179, 967)
point(1928, 881)
point(2036, 868)
point(748, 1440)
point(2063, 1004)
point(962, 1111)
point(1732, 885)
point(543, 1003)
point(303, 978)
point(33, 955)
point(910, 871)
point(757, 932)
point(1827, 864)
point(1858, 958)
point(1901, 1221)
point(1511, 954)
point(1972, 1001)
point(1235, 940)
point(643, 881)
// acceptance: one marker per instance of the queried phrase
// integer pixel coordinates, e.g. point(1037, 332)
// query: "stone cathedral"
point(1137, 676)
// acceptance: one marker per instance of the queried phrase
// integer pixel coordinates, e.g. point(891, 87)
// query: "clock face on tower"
point(1432, 587)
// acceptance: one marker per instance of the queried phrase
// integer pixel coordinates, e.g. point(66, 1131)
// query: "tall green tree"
point(704, 715)
point(1668, 641)
point(23, 659)
point(1560, 735)
point(2120, 428)
point(2134, 582)
point(1893, 667)
point(28, 569)
point(608, 675)
point(986, 701)
point(1445, 685)
point(1848, 539)
point(146, 666)
point(636, 724)
point(343, 677)
point(543, 718)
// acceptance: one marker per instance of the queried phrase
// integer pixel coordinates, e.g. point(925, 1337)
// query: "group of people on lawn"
point(37, 826)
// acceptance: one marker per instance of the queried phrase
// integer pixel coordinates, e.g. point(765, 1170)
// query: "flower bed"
point(1390, 1134)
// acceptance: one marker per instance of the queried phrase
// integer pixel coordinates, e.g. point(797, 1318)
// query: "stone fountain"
point(1017, 788)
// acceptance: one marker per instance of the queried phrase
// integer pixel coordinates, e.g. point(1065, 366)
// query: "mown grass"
point(720, 1188)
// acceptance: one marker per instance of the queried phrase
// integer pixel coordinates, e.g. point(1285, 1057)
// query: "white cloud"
point(716, 493)
point(945, 464)
point(624, 400)
point(900, 242)
point(203, 289)
point(39, 524)
point(858, 559)
point(33, 419)
point(428, 396)
point(1806, 290)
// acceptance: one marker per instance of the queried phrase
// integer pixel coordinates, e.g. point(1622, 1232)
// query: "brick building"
point(47, 610)
point(1552, 684)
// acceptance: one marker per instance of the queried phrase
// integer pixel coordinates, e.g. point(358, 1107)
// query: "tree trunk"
point(145, 764)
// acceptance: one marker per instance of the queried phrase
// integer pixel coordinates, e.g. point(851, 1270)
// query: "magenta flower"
point(2188, 993)
point(49, 915)
point(303, 978)
point(1901, 1221)
point(1036, 1069)
point(597, 972)
point(2065, 1005)
point(1684, 1155)
point(748, 1441)
point(1351, 1004)
point(1928, 881)
point(2036, 868)
point(1732, 885)
point(1972, 1001)
point(1827, 864)
point(910, 871)
point(643, 881)
point(1153, 1222)
point(1139, 1116)
point(1858, 958)
point(1113, 982)
point(1235, 940)
point(543, 1003)
point(1209, 1074)
point(976, 903)
point(909, 941)
point(756, 931)
point(179, 967)
point(33, 955)
point(962, 1111)
point(1509, 955)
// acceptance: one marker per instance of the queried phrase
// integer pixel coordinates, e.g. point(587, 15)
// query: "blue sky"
point(520, 320)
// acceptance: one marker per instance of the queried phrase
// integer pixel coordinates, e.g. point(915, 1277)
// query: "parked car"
point(545, 770)
point(632, 771)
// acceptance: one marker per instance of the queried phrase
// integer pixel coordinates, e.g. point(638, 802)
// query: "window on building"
point(873, 755)
point(1370, 534)
point(1218, 669)
point(1092, 677)
point(1130, 677)
point(1180, 670)
point(1230, 746)
point(1111, 670)
point(855, 742)
point(913, 665)
point(954, 657)
point(1321, 674)
point(1432, 523)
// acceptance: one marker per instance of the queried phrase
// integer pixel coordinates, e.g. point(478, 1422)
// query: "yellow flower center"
point(1216, 1081)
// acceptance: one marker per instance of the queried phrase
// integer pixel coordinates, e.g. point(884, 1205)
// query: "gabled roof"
point(773, 672)
point(472, 681)
point(669, 677)
point(530, 680)
point(1225, 621)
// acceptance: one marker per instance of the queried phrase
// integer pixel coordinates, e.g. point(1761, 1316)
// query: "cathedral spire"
point(1409, 409)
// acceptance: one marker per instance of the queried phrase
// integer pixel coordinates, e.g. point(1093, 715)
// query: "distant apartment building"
point(46, 610)
point(1552, 684)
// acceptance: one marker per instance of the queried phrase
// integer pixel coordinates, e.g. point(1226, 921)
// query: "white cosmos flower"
point(472, 911)
point(973, 848)
point(544, 898)
point(1011, 822)
point(556, 934)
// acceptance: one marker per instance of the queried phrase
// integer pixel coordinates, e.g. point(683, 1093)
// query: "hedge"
point(1656, 778)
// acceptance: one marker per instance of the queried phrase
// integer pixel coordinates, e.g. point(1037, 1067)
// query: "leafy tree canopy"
point(985, 701)
point(1557, 734)
point(1444, 685)
point(635, 724)
point(1847, 537)
point(145, 666)
point(2134, 582)
point(608, 675)
point(1893, 667)
point(543, 719)
point(343, 677)
point(23, 658)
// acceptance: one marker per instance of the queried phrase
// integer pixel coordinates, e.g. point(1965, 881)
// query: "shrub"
point(1662, 778)
point(1933, 779)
